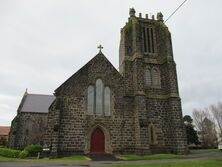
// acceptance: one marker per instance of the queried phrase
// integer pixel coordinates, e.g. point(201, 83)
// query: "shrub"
point(33, 149)
point(3, 141)
point(9, 152)
point(23, 154)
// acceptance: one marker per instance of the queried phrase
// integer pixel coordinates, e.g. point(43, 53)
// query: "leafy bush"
point(9, 152)
point(3, 141)
point(23, 154)
point(33, 149)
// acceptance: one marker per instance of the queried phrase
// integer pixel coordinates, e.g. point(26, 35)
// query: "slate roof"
point(4, 130)
point(36, 103)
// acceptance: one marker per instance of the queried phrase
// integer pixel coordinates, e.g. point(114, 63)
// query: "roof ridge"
point(92, 60)
point(39, 94)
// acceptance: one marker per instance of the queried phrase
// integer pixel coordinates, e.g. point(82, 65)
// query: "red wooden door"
point(97, 141)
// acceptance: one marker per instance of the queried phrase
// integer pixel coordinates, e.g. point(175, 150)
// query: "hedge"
point(9, 152)
point(33, 149)
point(30, 150)
point(23, 154)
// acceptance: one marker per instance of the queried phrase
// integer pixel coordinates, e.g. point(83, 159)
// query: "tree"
point(209, 132)
point(192, 137)
point(217, 114)
point(206, 127)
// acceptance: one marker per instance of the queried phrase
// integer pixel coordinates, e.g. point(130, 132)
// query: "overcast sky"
point(43, 42)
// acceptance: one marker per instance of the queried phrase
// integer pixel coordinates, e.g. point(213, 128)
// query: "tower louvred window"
point(148, 40)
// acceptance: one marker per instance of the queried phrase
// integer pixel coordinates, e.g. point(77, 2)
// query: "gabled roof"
point(4, 130)
point(96, 59)
point(36, 103)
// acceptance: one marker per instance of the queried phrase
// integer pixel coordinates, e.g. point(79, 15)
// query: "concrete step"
point(102, 157)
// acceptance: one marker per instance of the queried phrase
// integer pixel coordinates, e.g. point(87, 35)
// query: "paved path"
point(199, 156)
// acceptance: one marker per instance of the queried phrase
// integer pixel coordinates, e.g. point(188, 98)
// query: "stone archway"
point(95, 129)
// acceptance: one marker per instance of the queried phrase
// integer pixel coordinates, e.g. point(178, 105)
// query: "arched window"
point(152, 134)
point(156, 77)
point(99, 97)
point(107, 94)
point(90, 99)
point(147, 78)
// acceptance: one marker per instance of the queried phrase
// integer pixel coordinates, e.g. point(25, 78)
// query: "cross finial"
point(26, 91)
point(100, 47)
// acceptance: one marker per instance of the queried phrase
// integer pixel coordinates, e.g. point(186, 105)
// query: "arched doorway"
point(97, 141)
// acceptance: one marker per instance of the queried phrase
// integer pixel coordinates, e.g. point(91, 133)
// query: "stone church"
point(134, 110)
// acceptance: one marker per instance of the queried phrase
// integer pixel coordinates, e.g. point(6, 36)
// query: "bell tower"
point(146, 55)
point(147, 65)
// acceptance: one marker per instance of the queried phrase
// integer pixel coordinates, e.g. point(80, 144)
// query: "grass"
point(195, 163)
point(74, 158)
point(132, 157)
point(147, 157)
point(69, 158)
point(8, 159)
point(204, 151)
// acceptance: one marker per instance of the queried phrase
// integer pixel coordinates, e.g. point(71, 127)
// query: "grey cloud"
point(44, 42)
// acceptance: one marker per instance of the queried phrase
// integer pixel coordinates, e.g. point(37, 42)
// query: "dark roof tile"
point(36, 103)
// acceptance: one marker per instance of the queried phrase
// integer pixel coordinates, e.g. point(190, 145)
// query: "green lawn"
point(148, 157)
point(69, 158)
point(73, 158)
point(204, 151)
point(164, 156)
point(8, 159)
point(195, 163)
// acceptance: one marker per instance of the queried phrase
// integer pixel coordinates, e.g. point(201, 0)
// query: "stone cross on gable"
point(100, 48)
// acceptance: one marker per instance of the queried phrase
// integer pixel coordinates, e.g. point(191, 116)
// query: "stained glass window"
point(90, 100)
point(99, 97)
point(107, 101)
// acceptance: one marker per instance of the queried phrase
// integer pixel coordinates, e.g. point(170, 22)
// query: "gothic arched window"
point(99, 97)
point(107, 98)
point(147, 77)
point(156, 77)
point(152, 134)
point(90, 99)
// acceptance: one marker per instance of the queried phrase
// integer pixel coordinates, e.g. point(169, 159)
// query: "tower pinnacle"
point(132, 12)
